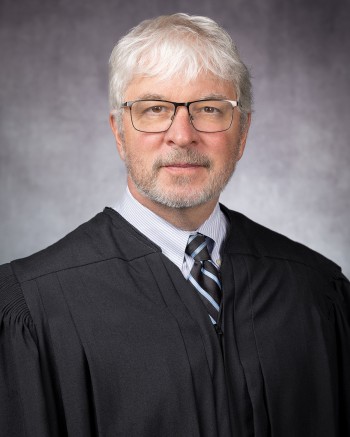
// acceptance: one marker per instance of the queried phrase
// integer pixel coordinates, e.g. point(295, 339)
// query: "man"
point(172, 315)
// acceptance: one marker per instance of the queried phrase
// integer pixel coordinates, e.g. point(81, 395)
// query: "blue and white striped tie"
point(204, 276)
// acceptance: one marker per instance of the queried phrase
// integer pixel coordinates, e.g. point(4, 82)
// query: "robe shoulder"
point(251, 238)
point(13, 307)
point(102, 238)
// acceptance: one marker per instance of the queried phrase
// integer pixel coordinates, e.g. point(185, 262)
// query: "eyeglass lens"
point(157, 116)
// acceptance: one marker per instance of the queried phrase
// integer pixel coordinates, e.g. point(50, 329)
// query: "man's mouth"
point(182, 160)
point(183, 165)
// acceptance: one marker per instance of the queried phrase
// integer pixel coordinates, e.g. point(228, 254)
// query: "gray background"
point(58, 163)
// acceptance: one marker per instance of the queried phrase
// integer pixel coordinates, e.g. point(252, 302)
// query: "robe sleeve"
point(23, 410)
point(342, 323)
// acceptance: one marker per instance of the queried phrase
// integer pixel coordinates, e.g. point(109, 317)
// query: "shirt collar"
point(171, 240)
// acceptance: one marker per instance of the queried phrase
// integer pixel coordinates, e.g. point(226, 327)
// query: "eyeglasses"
point(208, 115)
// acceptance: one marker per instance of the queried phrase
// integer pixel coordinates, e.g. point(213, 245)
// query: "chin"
point(180, 199)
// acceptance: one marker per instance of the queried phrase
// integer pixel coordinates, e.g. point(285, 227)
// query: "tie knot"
point(197, 247)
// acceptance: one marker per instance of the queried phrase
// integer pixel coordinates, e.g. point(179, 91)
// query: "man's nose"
point(181, 132)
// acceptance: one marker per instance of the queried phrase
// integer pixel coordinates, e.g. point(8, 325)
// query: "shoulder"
point(13, 307)
point(251, 238)
point(105, 236)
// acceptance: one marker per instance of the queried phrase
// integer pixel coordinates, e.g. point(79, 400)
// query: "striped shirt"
point(172, 240)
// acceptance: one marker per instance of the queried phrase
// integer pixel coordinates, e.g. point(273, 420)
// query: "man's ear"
point(244, 135)
point(117, 135)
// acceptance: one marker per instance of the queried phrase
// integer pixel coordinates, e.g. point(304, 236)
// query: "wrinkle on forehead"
point(148, 87)
point(211, 96)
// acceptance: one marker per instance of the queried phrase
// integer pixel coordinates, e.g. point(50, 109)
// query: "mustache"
point(189, 156)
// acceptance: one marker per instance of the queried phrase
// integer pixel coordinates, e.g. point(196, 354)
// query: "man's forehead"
point(205, 86)
point(155, 96)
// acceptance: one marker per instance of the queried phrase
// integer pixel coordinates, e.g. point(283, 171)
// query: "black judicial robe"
point(101, 335)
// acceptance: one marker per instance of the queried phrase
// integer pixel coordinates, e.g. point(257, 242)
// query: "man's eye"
point(156, 109)
point(210, 109)
point(206, 110)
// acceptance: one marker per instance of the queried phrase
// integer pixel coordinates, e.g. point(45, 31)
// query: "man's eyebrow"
point(214, 96)
point(152, 96)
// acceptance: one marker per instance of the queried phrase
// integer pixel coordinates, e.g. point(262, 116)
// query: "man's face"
point(181, 167)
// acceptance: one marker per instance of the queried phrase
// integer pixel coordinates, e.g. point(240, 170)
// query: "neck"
point(187, 219)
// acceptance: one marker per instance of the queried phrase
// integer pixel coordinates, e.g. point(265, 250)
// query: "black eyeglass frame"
point(234, 104)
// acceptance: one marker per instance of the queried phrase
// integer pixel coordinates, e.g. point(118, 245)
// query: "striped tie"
point(204, 276)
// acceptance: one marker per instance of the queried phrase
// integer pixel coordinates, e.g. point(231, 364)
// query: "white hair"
point(172, 44)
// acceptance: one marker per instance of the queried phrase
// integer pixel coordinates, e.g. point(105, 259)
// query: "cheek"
point(138, 158)
point(224, 153)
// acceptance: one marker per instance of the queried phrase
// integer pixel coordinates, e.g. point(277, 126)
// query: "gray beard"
point(147, 184)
